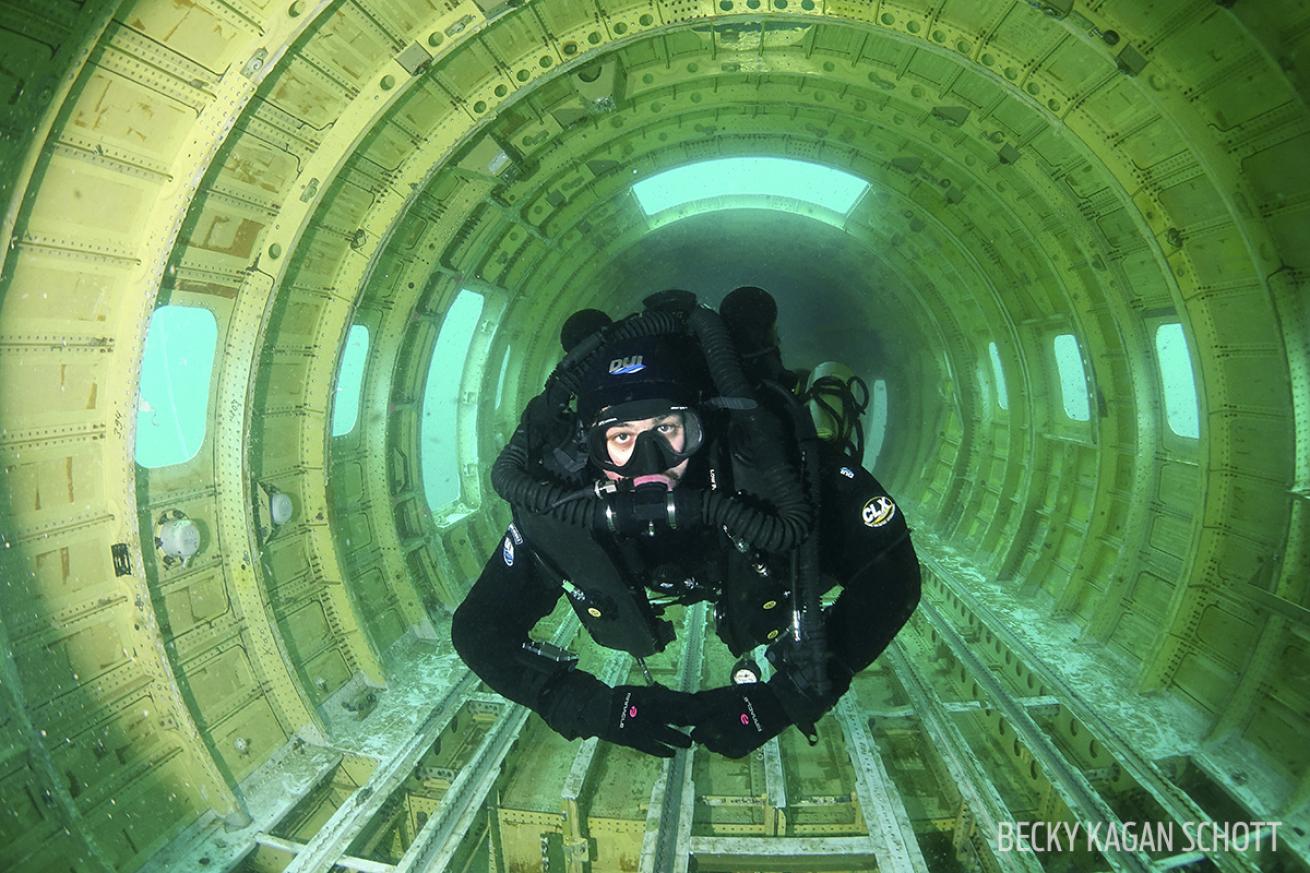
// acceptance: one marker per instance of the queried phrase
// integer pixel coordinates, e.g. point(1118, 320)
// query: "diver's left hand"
point(735, 720)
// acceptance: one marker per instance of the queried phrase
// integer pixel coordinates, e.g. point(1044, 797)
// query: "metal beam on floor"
point(666, 845)
point(881, 803)
point(1176, 802)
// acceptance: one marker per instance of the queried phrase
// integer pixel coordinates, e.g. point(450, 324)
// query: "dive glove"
point(640, 716)
point(735, 720)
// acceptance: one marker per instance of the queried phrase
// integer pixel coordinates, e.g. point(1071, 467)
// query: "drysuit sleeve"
point(866, 547)
point(490, 627)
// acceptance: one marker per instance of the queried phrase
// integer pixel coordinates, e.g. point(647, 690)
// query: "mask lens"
point(672, 437)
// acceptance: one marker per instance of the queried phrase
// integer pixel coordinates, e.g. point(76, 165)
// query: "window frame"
point(1064, 426)
point(207, 410)
point(359, 388)
point(1168, 436)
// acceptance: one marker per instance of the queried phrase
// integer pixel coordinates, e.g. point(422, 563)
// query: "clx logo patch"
point(623, 366)
point(878, 511)
point(507, 552)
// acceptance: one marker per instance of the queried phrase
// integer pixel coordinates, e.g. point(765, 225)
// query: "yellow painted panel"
point(1075, 66)
point(1206, 682)
point(1194, 201)
point(1151, 593)
point(1018, 117)
point(1253, 379)
point(132, 827)
point(405, 15)
point(977, 90)
point(972, 15)
point(1135, 636)
point(281, 446)
point(348, 45)
point(1171, 535)
point(389, 146)
point(355, 531)
point(304, 93)
point(318, 257)
point(1055, 147)
point(187, 27)
point(1144, 275)
point(1153, 143)
point(297, 321)
point(115, 111)
point(224, 228)
point(1228, 636)
point(23, 818)
point(327, 672)
point(68, 385)
point(1119, 229)
point(257, 166)
point(1024, 34)
point(934, 68)
point(131, 734)
point(60, 666)
point(423, 106)
point(468, 71)
point(216, 683)
point(44, 284)
point(51, 483)
point(287, 381)
point(204, 598)
point(1219, 256)
point(347, 479)
point(389, 626)
point(1279, 731)
point(90, 208)
point(1291, 233)
point(287, 557)
point(258, 728)
point(1206, 45)
point(307, 630)
point(519, 36)
point(1118, 106)
point(62, 572)
point(1280, 173)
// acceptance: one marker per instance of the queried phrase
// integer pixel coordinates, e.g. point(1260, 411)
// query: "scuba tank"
point(837, 399)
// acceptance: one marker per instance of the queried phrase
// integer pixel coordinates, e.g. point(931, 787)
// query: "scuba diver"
point(671, 460)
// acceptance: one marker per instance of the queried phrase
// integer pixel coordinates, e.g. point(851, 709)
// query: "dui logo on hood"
point(629, 364)
point(878, 511)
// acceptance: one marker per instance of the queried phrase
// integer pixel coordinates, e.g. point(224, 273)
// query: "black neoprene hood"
point(638, 373)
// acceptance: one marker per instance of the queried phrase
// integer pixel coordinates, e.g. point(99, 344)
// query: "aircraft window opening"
point(173, 395)
point(500, 382)
point(350, 381)
point(1073, 377)
point(1002, 398)
point(759, 178)
point(1177, 380)
point(877, 425)
point(438, 427)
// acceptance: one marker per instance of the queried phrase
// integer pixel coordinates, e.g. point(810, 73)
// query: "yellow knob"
point(769, 604)
point(772, 634)
point(593, 612)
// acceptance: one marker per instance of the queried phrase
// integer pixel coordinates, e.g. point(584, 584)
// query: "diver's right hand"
point(641, 717)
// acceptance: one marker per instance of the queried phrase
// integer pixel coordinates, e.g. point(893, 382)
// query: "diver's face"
point(621, 438)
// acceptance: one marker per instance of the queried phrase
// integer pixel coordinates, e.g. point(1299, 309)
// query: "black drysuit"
point(864, 547)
